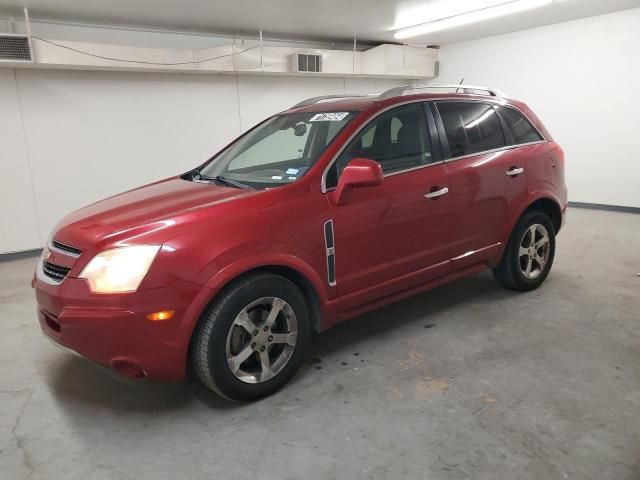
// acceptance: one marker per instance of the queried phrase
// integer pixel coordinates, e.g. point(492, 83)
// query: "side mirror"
point(360, 172)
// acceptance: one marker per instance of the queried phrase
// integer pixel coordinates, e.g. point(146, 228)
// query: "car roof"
point(357, 104)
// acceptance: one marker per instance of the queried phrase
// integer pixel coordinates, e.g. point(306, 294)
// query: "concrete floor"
point(466, 381)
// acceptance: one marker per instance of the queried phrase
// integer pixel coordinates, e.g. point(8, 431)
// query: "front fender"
point(227, 274)
point(243, 265)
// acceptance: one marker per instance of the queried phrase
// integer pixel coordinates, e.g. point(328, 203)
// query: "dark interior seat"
point(407, 151)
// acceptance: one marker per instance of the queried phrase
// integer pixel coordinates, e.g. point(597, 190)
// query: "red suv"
point(337, 206)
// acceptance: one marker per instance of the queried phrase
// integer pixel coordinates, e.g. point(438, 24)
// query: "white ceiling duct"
point(379, 62)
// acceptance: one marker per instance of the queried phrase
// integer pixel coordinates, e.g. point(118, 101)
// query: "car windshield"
point(277, 152)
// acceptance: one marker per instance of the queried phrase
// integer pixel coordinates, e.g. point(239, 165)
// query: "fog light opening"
point(51, 322)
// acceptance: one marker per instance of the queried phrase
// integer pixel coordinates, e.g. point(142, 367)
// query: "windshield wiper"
point(227, 181)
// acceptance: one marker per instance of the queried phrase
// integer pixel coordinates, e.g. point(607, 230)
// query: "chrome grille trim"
point(56, 272)
point(64, 249)
point(44, 278)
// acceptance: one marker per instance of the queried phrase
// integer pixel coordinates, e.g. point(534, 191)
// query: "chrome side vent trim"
point(330, 251)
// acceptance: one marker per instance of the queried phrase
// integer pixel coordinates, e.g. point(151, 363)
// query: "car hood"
point(144, 214)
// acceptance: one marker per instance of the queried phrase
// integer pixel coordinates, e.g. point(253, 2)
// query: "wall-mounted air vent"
point(14, 48)
point(306, 62)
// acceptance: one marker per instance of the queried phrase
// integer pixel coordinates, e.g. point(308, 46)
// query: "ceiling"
point(370, 20)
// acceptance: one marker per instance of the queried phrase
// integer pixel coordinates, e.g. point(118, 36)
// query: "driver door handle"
point(436, 193)
point(513, 171)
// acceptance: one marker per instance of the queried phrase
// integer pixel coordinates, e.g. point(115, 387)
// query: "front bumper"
point(113, 330)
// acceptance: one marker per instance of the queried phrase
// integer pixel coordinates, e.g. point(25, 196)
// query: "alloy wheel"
point(261, 340)
point(533, 253)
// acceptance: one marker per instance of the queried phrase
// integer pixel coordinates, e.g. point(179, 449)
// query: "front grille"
point(55, 272)
point(66, 248)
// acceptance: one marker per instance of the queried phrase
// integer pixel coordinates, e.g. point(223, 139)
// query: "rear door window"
point(471, 127)
point(518, 126)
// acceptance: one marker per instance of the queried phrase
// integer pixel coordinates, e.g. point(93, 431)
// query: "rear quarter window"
point(518, 126)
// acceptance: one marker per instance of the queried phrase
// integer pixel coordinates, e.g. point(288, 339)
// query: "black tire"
point(209, 342)
point(509, 273)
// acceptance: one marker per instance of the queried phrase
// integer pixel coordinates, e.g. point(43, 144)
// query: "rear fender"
point(522, 207)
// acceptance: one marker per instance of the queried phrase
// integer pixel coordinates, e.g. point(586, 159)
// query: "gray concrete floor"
point(466, 381)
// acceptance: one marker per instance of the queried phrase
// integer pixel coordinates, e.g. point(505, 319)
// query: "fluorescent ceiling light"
point(478, 15)
point(432, 10)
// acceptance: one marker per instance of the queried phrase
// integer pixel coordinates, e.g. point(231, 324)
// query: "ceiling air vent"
point(14, 48)
point(307, 62)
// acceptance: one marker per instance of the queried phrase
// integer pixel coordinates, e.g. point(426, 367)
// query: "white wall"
point(581, 78)
point(72, 137)
point(18, 217)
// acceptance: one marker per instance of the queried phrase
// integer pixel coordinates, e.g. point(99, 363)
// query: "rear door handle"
point(437, 193)
point(513, 171)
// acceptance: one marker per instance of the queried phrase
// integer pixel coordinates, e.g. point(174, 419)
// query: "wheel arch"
point(551, 208)
point(309, 291)
point(542, 201)
point(296, 270)
point(292, 268)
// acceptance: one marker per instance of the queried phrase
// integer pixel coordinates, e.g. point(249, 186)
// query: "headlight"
point(45, 250)
point(120, 269)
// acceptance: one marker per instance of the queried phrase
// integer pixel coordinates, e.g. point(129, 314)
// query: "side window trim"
point(434, 135)
point(505, 139)
point(444, 141)
point(506, 131)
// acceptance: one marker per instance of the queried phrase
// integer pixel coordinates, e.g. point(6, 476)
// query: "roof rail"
point(399, 91)
point(314, 100)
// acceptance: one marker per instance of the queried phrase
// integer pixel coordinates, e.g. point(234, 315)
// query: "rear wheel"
point(250, 341)
point(529, 255)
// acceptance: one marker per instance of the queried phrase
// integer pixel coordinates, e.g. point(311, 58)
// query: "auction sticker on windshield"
point(329, 117)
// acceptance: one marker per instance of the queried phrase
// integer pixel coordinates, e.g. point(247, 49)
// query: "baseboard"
point(601, 206)
point(7, 257)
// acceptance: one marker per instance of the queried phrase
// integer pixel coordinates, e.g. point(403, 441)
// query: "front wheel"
point(250, 341)
point(529, 255)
